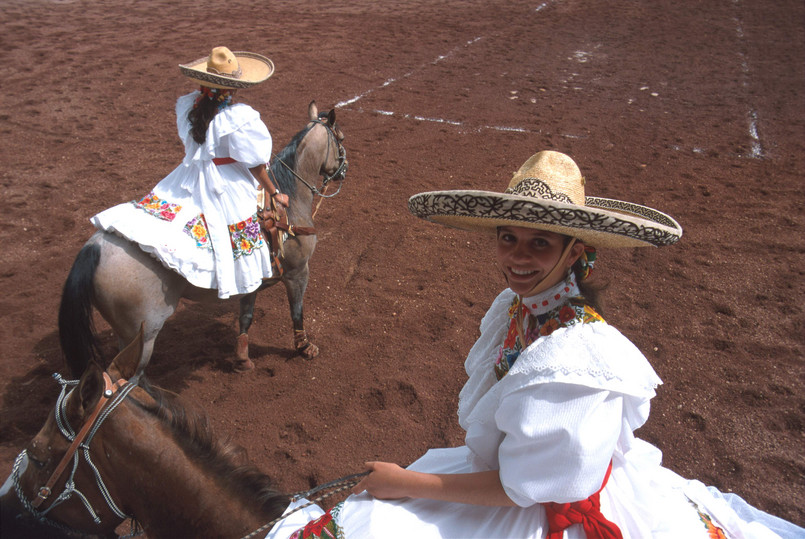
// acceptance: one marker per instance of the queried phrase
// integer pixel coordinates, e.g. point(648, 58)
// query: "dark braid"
point(204, 110)
point(592, 292)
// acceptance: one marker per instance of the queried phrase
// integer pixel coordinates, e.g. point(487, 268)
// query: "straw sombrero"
point(230, 70)
point(547, 193)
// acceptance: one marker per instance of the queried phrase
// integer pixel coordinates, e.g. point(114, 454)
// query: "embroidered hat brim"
point(254, 69)
point(600, 222)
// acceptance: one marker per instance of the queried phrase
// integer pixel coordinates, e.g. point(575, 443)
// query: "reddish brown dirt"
point(657, 101)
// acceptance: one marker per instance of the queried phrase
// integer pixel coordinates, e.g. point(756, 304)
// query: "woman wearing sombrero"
point(553, 396)
point(200, 220)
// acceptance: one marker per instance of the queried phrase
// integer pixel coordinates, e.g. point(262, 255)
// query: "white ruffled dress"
point(567, 408)
point(200, 220)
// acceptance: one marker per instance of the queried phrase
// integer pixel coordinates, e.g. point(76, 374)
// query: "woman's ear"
point(575, 252)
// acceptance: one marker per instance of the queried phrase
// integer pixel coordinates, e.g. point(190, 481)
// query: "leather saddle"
point(276, 228)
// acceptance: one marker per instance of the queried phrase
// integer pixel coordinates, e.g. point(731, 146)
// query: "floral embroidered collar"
point(539, 316)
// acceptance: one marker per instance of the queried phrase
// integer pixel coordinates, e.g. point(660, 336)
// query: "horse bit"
point(112, 396)
point(340, 172)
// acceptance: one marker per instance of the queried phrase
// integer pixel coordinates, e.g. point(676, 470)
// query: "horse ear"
point(313, 111)
point(127, 361)
point(331, 117)
point(90, 388)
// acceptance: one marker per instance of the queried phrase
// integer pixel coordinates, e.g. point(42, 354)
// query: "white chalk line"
point(456, 123)
point(581, 56)
point(438, 59)
point(419, 118)
point(389, 82)
point(752, 116)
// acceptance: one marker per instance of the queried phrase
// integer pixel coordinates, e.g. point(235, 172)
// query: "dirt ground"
point(695, 108)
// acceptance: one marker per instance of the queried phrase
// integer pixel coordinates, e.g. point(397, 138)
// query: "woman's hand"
point(261, 175)
point(386, 481)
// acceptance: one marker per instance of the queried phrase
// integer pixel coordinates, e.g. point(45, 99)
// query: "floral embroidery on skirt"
point(196, 228)
point(246, 236)
point(158, 207)
point(324, 527)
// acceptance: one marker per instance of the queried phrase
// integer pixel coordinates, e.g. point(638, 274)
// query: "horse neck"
point(310, 157)
point(168, 492)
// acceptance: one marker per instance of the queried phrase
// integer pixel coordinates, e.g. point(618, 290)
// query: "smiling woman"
point(553, 393)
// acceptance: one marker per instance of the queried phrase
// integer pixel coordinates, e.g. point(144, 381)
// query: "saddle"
point(276, 228)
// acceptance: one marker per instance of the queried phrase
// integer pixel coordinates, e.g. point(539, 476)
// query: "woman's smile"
point(528, 255)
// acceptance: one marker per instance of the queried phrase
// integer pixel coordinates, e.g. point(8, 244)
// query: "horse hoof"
point(242, 365)
point(309, 351)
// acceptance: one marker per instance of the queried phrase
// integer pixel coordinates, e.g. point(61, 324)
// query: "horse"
point(128, 286)
point(116, 448)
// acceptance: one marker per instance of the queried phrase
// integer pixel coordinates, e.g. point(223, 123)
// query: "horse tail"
point(76, 329)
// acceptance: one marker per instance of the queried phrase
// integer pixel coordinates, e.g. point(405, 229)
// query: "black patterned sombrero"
point(548, 193)
point(226, 69)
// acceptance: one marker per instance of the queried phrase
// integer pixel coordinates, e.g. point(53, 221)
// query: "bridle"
point(112, 396)
point(340, 173)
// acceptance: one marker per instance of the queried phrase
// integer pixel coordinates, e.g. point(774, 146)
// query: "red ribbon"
point(585, 512)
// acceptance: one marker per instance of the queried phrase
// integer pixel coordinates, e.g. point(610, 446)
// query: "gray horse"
point(129, 287)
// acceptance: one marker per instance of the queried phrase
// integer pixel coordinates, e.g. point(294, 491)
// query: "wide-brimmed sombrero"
point(229, 70)
point(547, 193)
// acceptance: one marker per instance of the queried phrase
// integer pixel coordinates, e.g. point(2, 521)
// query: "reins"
point(338, 485)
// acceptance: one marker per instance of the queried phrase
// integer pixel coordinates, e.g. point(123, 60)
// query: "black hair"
point(204, 110)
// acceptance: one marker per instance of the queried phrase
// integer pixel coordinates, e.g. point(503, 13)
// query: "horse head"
point(326, 135)
point(48, 493)
point(113, 450)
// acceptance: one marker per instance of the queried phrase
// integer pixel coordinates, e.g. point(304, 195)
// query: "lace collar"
point(553, 297)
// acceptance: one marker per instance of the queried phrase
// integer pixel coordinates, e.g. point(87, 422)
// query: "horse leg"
point(133, 289)
point(126, 318)
point(242, 361)
point(295, 285)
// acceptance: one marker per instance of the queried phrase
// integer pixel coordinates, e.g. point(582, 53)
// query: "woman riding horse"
point(553, 393)
point(200, 220)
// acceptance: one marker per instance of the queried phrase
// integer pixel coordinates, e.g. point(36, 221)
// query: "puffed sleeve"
point(558, 441)
point(183, 106)
point(251, 144)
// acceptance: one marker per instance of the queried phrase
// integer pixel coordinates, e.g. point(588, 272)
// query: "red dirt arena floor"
point(695, 108)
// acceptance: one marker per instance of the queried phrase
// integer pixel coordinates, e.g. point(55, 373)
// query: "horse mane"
point(283, 172)
point(193, 432)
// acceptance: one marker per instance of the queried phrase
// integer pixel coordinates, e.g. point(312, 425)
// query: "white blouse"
point(566, 406)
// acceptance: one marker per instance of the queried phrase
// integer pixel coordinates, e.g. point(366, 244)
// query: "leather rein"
point(112, 396)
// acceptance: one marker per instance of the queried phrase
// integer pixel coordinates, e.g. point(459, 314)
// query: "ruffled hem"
point(168, 243)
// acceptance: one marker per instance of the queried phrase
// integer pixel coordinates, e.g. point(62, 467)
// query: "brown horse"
point(129, 286)
point(83, 473)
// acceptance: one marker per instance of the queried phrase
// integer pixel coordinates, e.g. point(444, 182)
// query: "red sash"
point(585, 512)
point(223, 161)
